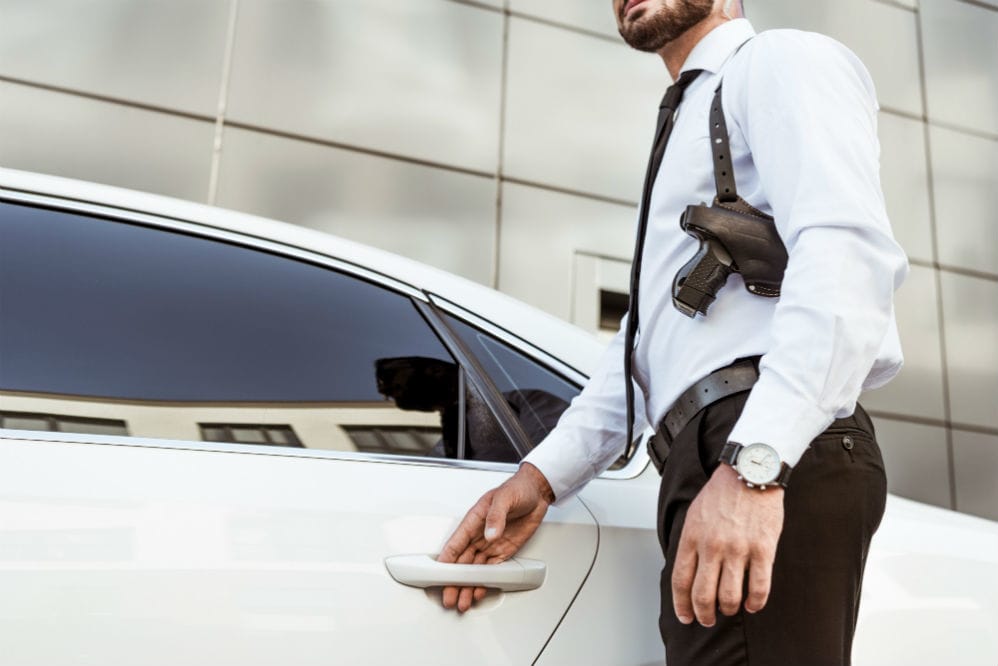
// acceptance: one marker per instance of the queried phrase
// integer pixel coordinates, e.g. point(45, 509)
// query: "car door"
point(211, 447)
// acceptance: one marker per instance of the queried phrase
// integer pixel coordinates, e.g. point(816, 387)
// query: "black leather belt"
point(738, 377)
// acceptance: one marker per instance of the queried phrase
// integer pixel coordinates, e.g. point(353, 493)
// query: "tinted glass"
point(100, 308)
point(536, 394)
point(168, 331)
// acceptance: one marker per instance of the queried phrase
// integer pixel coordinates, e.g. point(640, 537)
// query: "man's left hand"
point(730, 530)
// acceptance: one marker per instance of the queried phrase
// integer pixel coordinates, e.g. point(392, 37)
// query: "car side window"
point(536, 394)
point(175, 336)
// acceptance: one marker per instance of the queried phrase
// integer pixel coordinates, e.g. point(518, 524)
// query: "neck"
point(674, 53)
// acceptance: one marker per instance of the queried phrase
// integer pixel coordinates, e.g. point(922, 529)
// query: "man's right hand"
point(495, 528)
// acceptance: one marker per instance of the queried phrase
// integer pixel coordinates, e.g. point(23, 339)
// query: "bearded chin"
point(651, 32)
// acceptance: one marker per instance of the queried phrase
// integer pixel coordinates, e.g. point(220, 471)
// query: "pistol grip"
point(696, 284)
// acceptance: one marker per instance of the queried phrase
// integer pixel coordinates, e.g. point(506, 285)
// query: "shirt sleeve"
point(591, 433)
point(808, 111)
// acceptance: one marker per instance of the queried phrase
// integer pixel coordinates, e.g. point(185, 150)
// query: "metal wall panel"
point(437, 216)
point(918, 389)
point(73, 136)
point(975, 458)
point(883, 36)
point(965, 176)
point(589, 15)
point(419, 78)
point(905, 179)
point(961, 63)
point(971, 320)
point(580, 111)
point(915, 459)
point(162, 52)
point(541, 232)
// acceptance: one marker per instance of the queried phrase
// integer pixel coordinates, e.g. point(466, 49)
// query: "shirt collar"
point(716, 47)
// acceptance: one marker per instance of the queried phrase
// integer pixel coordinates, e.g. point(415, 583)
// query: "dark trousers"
point(832, 507)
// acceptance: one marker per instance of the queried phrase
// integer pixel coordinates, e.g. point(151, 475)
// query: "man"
point(753, 575)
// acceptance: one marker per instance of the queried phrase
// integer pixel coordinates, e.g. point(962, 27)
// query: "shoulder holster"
point(734, 236)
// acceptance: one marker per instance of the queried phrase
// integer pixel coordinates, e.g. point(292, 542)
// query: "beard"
point(650, 32)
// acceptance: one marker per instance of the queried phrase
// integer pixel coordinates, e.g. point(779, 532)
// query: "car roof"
point(566, 342)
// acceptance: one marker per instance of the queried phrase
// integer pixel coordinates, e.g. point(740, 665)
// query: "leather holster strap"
point(738, 377)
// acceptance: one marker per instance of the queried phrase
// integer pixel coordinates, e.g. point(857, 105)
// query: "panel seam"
point(933, 422)
point(110, 99)
point(979, 3)
point(937, 274)
point(897, 4)
point(223, 98)
point(958, 270)
point(500, 165)
point(585, 579)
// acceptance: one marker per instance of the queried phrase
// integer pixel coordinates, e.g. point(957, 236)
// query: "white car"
point(228, 440)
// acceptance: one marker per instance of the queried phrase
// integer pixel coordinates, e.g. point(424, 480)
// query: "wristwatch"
point(758, 465)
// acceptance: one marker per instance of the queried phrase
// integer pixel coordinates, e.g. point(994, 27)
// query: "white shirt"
point(801, 112)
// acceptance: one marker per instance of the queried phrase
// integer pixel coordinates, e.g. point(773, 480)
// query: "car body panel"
point(930, 591)
point(111, 551)
point(614, 620)
point(930, 594)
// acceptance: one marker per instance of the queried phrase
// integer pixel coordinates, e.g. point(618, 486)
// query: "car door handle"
point(424, 571)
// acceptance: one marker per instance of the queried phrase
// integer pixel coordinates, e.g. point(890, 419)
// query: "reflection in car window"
point(248, 433)
point(62, 423)
point(190, 338)
point(430, 385)
point(536, 394)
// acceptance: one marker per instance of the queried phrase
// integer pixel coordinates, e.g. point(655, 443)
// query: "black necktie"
point(666, 120)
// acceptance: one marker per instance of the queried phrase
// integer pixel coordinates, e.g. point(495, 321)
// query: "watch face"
point(758, 464)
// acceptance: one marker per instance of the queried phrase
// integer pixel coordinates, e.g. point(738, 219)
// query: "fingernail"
point(685, 619)
point(490, 533)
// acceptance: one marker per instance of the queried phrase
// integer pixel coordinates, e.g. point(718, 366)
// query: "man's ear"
point(732, 9)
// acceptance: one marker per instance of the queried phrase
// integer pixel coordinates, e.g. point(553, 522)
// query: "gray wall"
point(505, 141)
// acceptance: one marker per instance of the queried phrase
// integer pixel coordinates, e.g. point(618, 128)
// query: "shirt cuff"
point(565, 467)
point(780, 417)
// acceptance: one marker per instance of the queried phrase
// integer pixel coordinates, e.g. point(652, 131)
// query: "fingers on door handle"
point(424, 571)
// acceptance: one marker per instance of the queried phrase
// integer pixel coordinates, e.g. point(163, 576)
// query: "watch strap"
point(784, 478)
point(729, 454)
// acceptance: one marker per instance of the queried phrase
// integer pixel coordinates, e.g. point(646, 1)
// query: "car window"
point(175, 336)
point(536, 394)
